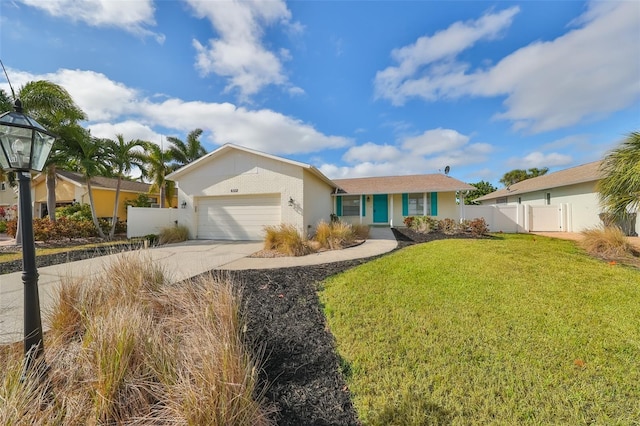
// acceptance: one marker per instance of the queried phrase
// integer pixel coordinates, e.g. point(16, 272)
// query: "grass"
point(173, 234)
point(515, 330)
point(607, 243)
point(125, 347)
point(285, 238)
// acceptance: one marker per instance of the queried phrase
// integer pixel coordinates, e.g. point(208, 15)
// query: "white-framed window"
point(416, 204)
point(350, 205)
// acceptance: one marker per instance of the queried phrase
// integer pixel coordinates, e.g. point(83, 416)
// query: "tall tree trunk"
point(162, 195)
point(114, 219)
point(51, 192)
point(93, 210)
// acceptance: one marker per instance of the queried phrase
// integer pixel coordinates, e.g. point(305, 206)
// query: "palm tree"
point(156, 168)
point(619, 188)
point(122, 157)
point(184, 153)
point(53, 107)
point(90, 157)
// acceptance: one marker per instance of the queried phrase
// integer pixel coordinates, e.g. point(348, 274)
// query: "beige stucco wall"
point(317, 201)
point(447, 208)
point(242, 173)
point(8, 197)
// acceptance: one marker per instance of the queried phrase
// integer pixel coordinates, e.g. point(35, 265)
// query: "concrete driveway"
point(180, 261)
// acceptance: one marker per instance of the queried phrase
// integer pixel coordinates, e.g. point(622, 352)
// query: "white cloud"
point(430, 152)
point(372, 152)
point(433, 141)
point(538, 159)
point(106, 101)
point(263, 129)
point(239, 54)
point(397, 83)
point(131, 16)
point(584, 74)
point(129, 129)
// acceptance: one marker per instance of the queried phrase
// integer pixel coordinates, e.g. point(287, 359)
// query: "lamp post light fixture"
point(25, 146)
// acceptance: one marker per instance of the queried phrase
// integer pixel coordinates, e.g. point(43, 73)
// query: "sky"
point(354, 88)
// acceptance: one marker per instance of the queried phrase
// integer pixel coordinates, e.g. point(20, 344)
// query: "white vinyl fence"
point(523, 218)
point(143, 221)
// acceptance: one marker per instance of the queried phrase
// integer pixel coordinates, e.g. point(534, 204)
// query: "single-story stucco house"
point(566, 200)
point(234, 192)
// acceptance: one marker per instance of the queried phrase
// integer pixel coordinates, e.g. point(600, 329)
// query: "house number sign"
point(234, 190)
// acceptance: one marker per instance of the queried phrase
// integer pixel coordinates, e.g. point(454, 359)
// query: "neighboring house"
point(388, 200)
point(71, 188)
point(234, 192)
point(566, 200)
point(8, 195)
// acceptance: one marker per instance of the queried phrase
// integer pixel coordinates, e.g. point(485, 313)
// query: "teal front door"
point(380, 208)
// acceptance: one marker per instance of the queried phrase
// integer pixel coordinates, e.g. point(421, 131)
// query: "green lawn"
point(512, 330)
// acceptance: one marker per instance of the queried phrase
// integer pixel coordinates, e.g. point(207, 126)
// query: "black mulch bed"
point(283, 313)
point(64, 257)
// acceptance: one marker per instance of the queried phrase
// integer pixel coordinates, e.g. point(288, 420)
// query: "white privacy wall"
point(143, 221)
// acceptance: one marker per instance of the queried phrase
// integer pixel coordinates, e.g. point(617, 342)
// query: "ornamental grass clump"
point(173, 234)
point(127, 347)
point(337, 234)
point(608, 242)
point(286, 239)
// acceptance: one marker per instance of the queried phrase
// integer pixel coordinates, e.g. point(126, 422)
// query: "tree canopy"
point(482, 188)
point(518, 175)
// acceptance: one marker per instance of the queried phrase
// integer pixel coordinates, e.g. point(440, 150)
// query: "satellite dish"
point(446, 170)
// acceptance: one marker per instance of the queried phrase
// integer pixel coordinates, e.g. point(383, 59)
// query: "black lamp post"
point(25, 146)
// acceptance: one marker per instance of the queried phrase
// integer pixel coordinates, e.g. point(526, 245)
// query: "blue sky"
point(355, 88)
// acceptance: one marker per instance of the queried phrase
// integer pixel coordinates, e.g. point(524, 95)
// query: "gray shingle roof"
point(585, 173)
point(402, 184)
point(106, 183)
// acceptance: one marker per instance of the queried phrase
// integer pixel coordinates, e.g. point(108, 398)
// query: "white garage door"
point(237, 217)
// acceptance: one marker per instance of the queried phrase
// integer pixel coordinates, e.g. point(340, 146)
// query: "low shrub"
point(424, 224)
point(449, 226)
point(607, 242)
point(478, 227)
point(286, 239)
point(173, 234)
point(408, 221)
point(3, 226)
point(12, 227)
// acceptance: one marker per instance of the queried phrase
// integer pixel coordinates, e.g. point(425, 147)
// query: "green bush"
point(141, 201)
point(3, 226)
point(75, 211)
point(408, 221)
point(449, 226)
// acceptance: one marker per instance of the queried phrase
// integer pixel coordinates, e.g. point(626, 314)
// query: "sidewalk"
point(181, 261)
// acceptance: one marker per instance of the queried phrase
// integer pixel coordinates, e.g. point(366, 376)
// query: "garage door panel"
point(237, 217)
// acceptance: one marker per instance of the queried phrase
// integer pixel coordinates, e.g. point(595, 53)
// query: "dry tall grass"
point(173, 234)
point(607, 242)
point(285, 238)
point(126, 347)
point(337, 235)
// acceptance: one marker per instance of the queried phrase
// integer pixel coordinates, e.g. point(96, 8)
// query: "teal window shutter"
point(405, 204)
point(339, 205)
point(364, 205)
point(434, 204)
